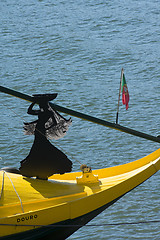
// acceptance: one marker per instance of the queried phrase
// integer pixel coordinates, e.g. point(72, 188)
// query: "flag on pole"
point(125, 94)
point(124, 91)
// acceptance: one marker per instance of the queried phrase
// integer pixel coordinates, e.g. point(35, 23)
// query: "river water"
point(77, 49)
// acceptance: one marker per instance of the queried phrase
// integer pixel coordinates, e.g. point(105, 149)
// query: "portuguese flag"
point(125, 93)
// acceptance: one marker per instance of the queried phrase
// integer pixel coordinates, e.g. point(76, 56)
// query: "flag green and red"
point(125, 93)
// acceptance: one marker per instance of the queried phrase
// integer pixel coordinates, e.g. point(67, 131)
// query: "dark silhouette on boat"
point(44, 158)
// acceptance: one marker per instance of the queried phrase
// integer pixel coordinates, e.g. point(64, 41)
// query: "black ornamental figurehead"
point(44, 158)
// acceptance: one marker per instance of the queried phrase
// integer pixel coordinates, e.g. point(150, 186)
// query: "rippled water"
point(77, 48)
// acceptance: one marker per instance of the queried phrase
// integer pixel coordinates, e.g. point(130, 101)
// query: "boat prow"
point(37, 209)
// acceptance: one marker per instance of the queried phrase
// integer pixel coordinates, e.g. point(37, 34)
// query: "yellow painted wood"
point(28, 201)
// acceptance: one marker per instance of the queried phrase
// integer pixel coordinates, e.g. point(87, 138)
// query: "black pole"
point(85, 116)
point(119, 96)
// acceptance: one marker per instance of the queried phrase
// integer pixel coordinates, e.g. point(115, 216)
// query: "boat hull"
point(61, 230)
point(54, 209)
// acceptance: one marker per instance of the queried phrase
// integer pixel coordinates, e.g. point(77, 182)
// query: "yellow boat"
point(32, 209)
point(54, 209)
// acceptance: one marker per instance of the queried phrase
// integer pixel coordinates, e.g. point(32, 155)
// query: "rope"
point(81, 225)
point(13, 111)
point(2, 185)
point(43, 134)
point(67, 153)
point(15, 191)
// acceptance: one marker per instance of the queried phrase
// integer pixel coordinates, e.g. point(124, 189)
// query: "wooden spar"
point(84, 116)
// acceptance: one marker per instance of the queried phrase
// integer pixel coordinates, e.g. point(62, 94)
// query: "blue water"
point(77, 49)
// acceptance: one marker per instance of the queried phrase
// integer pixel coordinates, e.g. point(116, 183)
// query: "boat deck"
point(20, 194)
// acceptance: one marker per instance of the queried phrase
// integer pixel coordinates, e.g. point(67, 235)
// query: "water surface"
point(77, 49)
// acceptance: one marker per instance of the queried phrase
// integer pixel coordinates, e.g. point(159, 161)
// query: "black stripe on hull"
point(58, 231)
